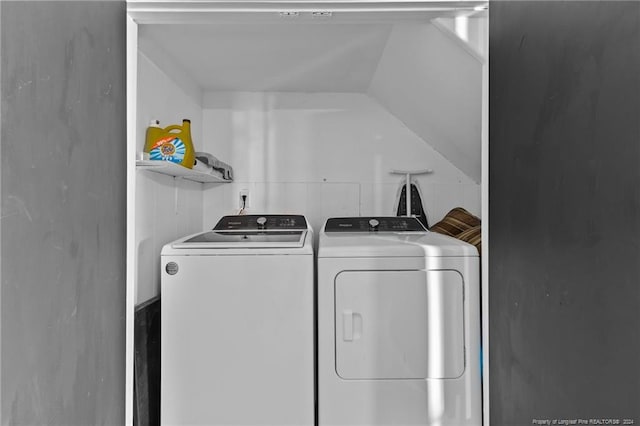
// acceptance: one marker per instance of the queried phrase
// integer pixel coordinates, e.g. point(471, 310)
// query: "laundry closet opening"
point(313, 109)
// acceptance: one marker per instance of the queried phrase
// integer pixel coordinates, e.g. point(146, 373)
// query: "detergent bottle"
point(173, 143)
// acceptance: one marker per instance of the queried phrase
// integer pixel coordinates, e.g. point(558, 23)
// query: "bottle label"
point(168, 149)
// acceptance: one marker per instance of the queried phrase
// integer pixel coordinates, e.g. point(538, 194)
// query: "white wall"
point(166, 208)
point(321, 155)
point(434, 85)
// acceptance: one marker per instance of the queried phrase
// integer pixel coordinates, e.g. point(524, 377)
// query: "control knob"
point(262, 222)
point(373, 224)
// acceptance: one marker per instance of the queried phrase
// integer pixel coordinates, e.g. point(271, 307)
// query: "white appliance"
point(398, 325)
point(238, 324)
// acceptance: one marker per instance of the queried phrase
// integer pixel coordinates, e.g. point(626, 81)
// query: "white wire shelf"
point(176, 170)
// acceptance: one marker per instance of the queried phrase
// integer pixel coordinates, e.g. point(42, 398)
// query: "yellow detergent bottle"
point(173, 143)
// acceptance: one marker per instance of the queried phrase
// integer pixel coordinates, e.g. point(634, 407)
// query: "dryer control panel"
point(266, 222)
point(374, 224)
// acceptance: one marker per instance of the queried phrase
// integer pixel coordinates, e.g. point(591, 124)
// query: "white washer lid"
point(243, 239)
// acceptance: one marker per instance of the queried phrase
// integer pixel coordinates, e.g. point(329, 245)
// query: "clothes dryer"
point(238, 324)
point(398, 325)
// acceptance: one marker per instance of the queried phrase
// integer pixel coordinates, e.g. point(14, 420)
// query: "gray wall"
point(564, 211)
point(63, 195)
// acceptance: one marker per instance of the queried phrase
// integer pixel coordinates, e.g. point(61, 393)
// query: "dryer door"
point(399, 324)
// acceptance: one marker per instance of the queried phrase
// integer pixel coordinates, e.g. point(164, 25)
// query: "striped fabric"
point(462, 225)
point(456, 221)
point(472, 236)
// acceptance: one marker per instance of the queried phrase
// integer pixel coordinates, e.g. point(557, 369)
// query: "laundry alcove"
point(312, 103)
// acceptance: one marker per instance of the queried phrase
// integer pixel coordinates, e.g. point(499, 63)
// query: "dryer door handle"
point(351, 325)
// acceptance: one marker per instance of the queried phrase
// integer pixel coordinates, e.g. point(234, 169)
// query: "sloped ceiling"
point(434, 86)
point(268, 57)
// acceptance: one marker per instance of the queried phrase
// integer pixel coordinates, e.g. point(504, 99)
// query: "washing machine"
point(237, 324)
point(398, 325)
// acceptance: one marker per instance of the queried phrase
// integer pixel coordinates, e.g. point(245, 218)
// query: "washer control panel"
point(374, 224)
point(267, 222)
